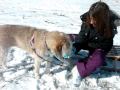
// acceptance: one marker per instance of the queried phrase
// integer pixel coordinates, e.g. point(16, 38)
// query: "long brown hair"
point(101, 13)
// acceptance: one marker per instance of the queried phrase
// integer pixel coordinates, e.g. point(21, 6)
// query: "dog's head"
point(66, 47)
point(60, 45)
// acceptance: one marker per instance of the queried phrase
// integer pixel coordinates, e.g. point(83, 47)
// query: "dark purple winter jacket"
point(98, 46)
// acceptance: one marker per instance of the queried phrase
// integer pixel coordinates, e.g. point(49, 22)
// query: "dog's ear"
point(61, 45)
point(32, 41)
point(58, 49)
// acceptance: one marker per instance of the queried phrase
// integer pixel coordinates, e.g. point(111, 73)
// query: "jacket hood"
point(83, 17)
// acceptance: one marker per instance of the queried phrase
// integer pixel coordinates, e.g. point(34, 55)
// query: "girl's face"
point(92, 21)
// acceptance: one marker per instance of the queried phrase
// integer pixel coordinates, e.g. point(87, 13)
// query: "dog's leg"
point(68, 74)
point(47, 68)
point(72, 62)
point(36, 66)
point(3, 57)
point(50, 60)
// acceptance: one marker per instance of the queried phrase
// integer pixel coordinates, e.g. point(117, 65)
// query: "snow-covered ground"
point(61, 15)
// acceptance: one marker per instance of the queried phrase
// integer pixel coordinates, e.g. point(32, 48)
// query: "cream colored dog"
point(39, 42)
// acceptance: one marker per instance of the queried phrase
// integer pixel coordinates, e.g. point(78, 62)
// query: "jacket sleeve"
point(82, 36)
point(82, 40)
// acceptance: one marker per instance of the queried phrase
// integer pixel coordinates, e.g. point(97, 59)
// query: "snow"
point(61, 15)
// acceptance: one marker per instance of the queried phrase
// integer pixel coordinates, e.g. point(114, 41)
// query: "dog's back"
point(10, 31)
point(13, 35)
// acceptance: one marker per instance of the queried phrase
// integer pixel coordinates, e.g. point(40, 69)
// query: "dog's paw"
point(51, 73)
point(68, 75)
point(47, 71)
point(37, 76)
point(3, 67)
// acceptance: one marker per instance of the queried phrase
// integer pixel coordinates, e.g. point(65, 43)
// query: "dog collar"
point(66, 56)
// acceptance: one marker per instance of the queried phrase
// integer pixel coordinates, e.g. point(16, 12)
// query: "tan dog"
point(41, 43)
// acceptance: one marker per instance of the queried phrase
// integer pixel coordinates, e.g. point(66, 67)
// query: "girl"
point(96, 36)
